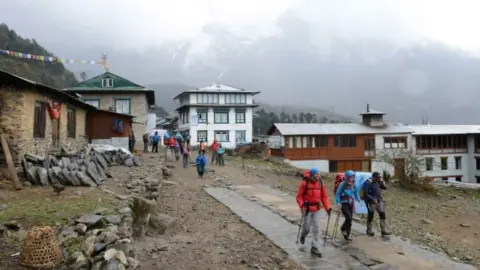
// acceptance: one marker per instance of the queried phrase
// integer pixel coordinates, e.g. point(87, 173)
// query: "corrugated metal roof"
point(444, 129)
point(218, 88)
point(351, 128)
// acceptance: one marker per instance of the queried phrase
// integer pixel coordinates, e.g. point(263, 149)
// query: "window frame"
point(429, 164)
point(71, 123)
point(129, 105)
point(39, 128)
point(88, 100)
point(429, 142)
point(390, 141)
point(237, 118)
point(244, 132)
point(207, 98)
point(215, 118)
point(442, 160)
point(221, 131)
point(458, 163)
point(105, 84)
point(345, 141)
point(201, 132)
point(321, 141)
point(369, 144)
point(232, 98)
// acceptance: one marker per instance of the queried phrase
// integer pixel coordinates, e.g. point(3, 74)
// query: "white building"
point(448, 152)
point(218, 112)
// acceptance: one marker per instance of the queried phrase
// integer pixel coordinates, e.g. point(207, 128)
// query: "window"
point(369, 144)
point(297, 143)
point(458, 179)
point(221, 136)
point(240, 136)
point(345, 141)
point(39, 119)
point(202, 115)
point(332, 166)
point(239, 117)
point(94, 102)
point(207, 98)
point(307, 142)
point(444, 163)
point(394, 142)
point(458, 163)
point(320, 141)
point(477, 163)
point(235, 98)
point(202, 136)
point(122, 106)
point(71, 123)
point(220, 117)
point(428, 164)
point(445, 178)
point(441, 142)
point(107, 82)
point(478, 179)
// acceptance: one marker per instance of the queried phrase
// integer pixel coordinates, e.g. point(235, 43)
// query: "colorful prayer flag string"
point(50, 58)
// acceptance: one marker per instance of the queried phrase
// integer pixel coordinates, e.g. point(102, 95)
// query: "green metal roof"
point(96, 84)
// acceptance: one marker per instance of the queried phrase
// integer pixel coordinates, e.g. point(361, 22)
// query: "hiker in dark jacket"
point(146, 138)
point(372, 190)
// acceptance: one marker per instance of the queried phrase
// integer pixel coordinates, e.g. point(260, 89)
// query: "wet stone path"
point(275, 214)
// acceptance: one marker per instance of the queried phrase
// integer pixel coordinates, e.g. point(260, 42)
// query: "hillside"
point(52, 74)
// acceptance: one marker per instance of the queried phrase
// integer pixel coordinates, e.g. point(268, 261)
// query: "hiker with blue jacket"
point(372, 192)
point(201, 162)
point(346, 195)
point(220, 155)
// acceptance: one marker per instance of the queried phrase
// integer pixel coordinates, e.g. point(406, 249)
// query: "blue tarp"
point(166, 136)
point(360, 178)
point(178, 136)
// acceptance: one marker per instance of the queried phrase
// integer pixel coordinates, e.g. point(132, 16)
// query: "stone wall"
point(17, 117)
point(139, 109)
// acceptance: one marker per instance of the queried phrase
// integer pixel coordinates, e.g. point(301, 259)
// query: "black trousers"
point(347, 211)
point(155, 147)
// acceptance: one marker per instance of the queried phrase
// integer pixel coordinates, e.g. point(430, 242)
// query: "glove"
point(329, 210)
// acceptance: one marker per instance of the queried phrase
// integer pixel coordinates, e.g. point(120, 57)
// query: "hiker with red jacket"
point(311, 197)
point(372, 192)
point(214, 147)
point(345, 197)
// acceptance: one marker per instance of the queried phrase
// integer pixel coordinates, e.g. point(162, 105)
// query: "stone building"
point(112, 92)
point(25, 117)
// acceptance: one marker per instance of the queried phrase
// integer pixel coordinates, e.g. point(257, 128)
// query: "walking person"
point(145, 142)
point(345, 197)
point(202, 146)
point(131, 142)
point(186, 155)
point(177, 150)
point(312, 196)
point(172, 145)
point(155, 140)
point(220, 155)
point(214, 147)
point(372, 192)
point(201, 162)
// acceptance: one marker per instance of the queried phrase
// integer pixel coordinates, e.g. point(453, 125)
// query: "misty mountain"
point(301, 65)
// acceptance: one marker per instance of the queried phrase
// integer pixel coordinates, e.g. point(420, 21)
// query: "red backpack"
point(338, 179)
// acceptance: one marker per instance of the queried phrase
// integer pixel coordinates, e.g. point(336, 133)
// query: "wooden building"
point(109, 127)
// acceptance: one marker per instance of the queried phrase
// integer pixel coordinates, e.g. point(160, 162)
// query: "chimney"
point(368, 107)
point(372, 118)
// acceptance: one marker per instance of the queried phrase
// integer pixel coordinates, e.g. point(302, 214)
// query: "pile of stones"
point(88, 168)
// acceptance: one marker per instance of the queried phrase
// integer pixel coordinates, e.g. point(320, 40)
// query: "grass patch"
point(74, 244)
point(42, 211)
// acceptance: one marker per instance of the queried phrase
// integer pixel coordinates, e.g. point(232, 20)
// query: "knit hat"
point(314, 171)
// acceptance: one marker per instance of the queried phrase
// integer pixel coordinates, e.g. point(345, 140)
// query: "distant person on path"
point(214, 147)
point(220, 155)
point(186, 155)
point(311, 196)
point(172, 145)
point(345, 197)
point(187, 138)
point(145, 142)
point(202, 146)
point(131, 141)
point(201, 162)
point(372, 190)
point(155, 140)
point(177, 150)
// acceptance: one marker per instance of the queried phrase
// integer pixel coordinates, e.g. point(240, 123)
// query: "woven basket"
point(41, 248)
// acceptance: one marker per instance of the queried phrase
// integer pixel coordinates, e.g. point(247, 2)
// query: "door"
point(344, 165)
point(366, 166)
point(399, 167)
point(55, 133)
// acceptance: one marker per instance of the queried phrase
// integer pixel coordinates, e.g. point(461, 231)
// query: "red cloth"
point(316, 193)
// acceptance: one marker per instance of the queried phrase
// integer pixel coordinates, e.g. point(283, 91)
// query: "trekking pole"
point(335, 227)
point(326, 233)
point(300, 227)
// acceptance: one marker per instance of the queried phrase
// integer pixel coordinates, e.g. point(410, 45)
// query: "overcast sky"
point(128, 24)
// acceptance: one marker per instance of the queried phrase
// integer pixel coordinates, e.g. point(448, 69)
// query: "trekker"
point(131, 141)
point(372, 192)
point(145, 142)
point(345, 196)
point(220, 155)
point(187, 138)
point(202, 146)
point(177, 150)
point(214, 147)
point(311, 193)
point(201, 162)
point(155, 140)
point(172, 145)
point(186, 155)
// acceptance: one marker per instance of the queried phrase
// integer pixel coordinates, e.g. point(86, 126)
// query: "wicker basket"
point(41, 248)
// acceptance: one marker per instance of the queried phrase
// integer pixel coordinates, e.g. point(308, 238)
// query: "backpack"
point(338, 179)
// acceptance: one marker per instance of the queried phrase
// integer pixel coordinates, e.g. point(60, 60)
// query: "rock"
point(87, 181)
point(141, 209)
point(100, 171)
point(67, 234)
point(89, 219)
point(3, 207)
point(112, 264)
point(160, 223)
point(170, 165)
point(465, 225)
point(119, 255)
point(99, 248)
point(126, 248)
point(113, 219)
point(65, 173)
point(43, 176)
point(92, 172)
point(132, 263)
point(32, 176)
point(89, 245)
point(34, 158)
point(129, 162)
point(109, 254)
point(136, 161)
point(12, 225)
point(65, 162)
point(166, 172)
point(426, 221)
point(170, 183)
point(101, 160)
point(81, 228)
point(124, 232)
point(126, 211)
point(108, 238)
point(80, 261)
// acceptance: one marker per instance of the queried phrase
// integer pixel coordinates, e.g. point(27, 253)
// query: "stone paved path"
point(275, 214)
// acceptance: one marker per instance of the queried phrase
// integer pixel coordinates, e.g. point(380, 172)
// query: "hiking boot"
point(386, 234)
point(370, 233)
point(314, 251)
point(302, 239)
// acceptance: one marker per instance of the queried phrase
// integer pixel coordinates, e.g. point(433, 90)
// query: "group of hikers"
point(312, 196)
point(180, 146)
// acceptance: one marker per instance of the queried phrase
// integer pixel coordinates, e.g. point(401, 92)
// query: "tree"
point(309, 117)
point(283, 117)
point(83, 75)
point(324, 119)
point(294, 118)
point(315, 118)
point(302, 118)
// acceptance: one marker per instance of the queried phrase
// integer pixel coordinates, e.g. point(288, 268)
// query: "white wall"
point(322, 165)
point(379, 165)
